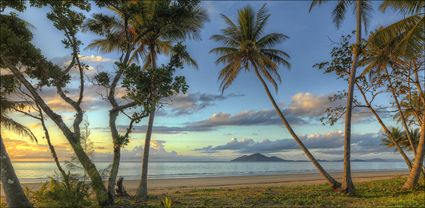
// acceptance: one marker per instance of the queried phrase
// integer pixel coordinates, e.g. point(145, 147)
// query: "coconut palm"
point(148, 33)
point(396, 134)
point(14, 193)
point(246, 47)
point(362, 10)
point(410, 29)
point(185, 25)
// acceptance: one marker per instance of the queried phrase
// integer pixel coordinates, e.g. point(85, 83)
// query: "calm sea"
point(40, 171)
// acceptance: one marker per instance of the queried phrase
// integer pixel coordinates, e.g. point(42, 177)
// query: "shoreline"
point(166, 186)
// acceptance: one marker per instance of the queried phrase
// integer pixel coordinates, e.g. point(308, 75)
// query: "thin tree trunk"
point(347, 182)
point(102, 195)
point(97, 183)
point(415, 173)
point(15, 196)
point(51, 147)
point(386, 130)
point(331, 181)
point(142, 191)
point(117, 152)
point(403, 119)
point(114, 170)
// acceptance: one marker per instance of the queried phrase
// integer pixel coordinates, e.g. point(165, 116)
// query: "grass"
point(379, 193)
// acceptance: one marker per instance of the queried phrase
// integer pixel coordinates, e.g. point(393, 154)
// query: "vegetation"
point(390, 60)
point(380, 193)
point(245, 47)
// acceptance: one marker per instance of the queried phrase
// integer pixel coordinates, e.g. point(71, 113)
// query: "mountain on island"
point(257, 157)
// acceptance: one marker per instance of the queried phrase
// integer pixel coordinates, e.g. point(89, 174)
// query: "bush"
point(66, 193)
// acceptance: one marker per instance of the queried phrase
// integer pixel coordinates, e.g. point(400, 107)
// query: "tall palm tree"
point(408, 39)
point(246, 47)
point(14, 193)
point(184, 25)
point(362, 10)
point(151, 32)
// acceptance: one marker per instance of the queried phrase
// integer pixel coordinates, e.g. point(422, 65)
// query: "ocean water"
point(40, 171)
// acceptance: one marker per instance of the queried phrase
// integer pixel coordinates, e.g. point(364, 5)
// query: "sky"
point(205, 124)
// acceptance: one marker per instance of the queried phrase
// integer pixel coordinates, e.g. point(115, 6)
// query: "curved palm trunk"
point(403, 119)
point(386, 130)
point(15, 196)
point(331, 181)
point(142, 190)
point(347, 182)
point(415, 173)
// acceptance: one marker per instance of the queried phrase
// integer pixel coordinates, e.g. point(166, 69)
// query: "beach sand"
point(164, 186)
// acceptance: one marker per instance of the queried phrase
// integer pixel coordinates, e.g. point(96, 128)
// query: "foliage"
point(380, 193)
point(166, 202)
point(148, 86)
point(245, 46)
point(401, 138)
point(59, 194)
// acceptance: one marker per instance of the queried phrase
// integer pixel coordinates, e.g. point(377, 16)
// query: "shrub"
point(55, 193)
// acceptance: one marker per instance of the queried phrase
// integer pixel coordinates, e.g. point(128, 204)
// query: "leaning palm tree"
point(362, 10)
point(14, 193)
point(246, 47)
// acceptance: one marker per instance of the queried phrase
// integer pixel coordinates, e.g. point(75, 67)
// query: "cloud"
point(185, 104)
point(328, 143)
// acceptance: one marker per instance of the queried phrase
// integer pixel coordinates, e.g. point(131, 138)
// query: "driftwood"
point(120, 188)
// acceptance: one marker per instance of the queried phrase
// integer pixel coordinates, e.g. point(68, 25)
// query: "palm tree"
point(410, 28)
point(15, 196)
point(185, 25)
point(246, 47)
point(407, 36)
point(362, 9)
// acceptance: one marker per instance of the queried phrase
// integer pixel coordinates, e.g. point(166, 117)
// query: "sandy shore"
point(162, 186)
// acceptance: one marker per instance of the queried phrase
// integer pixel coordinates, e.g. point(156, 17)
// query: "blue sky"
point(207, 124)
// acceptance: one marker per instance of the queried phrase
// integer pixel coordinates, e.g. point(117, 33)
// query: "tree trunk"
point(347, 182)
point(331, 181)
point(384, 127)
point(15, 196)
point(102, 196)
point(117, 151)
point(403, 119)
point(73, 139)
point(142, 191)
point(114, 170)
point(415, 173)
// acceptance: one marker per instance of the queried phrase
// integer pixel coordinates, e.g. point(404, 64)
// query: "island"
point(258, 157)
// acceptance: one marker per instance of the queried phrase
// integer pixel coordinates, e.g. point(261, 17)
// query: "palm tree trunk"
point(403, 119)
point(347, 182)
point(331, 181)
point(415, 173)
point(15, 196)
point(142, 191)
point(384, 127)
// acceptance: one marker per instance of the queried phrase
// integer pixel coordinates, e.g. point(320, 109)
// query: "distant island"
point(257, 157)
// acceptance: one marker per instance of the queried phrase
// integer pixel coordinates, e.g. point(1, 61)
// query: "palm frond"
point(16, 127)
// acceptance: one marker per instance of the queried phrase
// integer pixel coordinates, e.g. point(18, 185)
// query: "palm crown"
point(245, 47)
